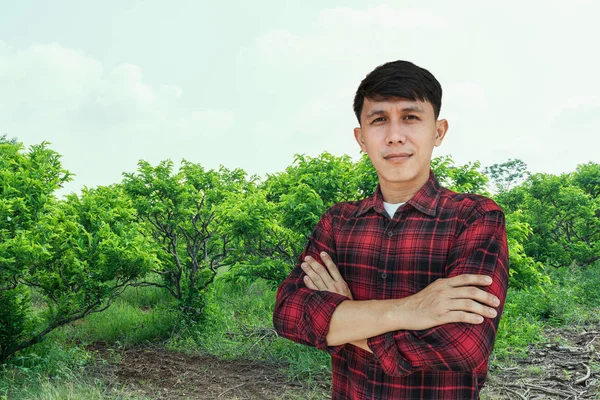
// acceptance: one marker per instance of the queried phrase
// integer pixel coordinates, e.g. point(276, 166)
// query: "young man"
point(405, 288)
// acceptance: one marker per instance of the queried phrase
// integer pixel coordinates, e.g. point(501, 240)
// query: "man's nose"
point(395, 134)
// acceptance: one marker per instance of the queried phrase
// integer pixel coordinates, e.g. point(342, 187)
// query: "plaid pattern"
point(436, 234)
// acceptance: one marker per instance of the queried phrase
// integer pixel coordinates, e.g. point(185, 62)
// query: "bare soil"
point(159, 374)
point(566, 367)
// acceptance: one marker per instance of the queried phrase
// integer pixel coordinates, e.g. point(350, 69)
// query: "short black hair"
point(399, 79)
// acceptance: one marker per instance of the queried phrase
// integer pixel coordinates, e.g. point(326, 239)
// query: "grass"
point(56, 367)
point(140, 315)
point(238, 324)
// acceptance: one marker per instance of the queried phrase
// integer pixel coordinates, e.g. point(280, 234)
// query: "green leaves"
point(462, 179)
point(183, 214)
point(77, 253)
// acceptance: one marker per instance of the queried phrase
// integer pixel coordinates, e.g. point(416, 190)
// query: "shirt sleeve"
point(480, 249)
point(302, 314)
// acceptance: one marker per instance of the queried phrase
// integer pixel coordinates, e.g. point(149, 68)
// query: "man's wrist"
point(393, 317)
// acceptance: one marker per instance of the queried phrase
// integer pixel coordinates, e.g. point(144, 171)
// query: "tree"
point(565, 218)
point(310, 186)
point(587, 177)
point(262, 246)
point(27, 183)
point(509, 174)
point(525, 272)
point(78, 254)
point(91, 251)
point(179, 211)
point(463, 179)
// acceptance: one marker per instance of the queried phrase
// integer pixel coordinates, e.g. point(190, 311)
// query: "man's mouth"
point(397, 157)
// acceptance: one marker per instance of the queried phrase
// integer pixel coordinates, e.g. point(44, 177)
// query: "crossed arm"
point(445, 301)
point(449, 325)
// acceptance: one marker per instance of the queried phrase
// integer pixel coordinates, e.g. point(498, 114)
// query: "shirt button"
point(383, 276)
point(390, 233)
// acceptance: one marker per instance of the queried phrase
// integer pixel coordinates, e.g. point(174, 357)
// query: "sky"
point(249, 84)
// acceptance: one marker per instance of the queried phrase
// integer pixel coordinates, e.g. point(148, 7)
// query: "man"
point(405, 288)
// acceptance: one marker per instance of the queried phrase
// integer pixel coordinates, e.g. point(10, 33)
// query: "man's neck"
point(395, 193)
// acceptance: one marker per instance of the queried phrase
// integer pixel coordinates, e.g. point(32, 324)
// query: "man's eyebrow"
point(414, 108)
point(375, 112)
point(378, 111)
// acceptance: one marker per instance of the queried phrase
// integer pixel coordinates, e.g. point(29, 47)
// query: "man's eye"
point(378, 120)
point(411, 117)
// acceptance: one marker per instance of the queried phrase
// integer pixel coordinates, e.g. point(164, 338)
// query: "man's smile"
point(397, 157)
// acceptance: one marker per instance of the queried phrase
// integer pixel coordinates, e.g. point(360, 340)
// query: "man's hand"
point(326, 281)
point(319, 278)
point(448, 300)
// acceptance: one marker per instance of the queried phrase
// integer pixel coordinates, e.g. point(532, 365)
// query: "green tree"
point(564, 216)
point(180, 214)
point(310, 186)
point(525, 272)
point(77, 254)
point(262, 246)
point(587, 177)
point(28, 180)
point(91, 251)
point(508, 174)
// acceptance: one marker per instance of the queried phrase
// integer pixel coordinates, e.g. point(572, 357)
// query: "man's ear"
point(441, 127)
point(359, 138)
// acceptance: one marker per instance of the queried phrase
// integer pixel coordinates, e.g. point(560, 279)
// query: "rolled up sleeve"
point(302, 314)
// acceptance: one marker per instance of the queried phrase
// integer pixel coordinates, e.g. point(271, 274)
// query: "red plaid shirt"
point(436, 234)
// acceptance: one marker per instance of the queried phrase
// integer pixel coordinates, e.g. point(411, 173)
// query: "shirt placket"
point(390, 236)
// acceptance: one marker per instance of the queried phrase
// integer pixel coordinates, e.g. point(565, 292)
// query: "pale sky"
point(250, 83)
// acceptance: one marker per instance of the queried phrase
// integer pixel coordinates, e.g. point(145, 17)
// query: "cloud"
point(101, 120)
point(503, 88)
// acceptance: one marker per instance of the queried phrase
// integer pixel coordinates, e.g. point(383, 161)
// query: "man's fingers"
point(469, 280)
point(474, 293)
point(333, 270)
point(317, 273)
point(472, 307)
point(461, 316)
point(314, 277)
point(309, 283)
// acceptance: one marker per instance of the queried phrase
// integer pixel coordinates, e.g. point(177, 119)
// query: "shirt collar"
point(425, 200)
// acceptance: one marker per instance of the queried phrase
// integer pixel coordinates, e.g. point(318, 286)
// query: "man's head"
point(397, 106)
point(399, 79)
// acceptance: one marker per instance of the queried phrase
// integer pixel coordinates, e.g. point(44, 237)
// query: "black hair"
point(399, 79)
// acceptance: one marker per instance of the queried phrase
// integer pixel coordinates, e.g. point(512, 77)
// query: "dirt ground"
point(158, 374)
point(567, 367)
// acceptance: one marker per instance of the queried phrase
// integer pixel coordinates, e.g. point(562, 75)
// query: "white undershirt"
point(391, 208)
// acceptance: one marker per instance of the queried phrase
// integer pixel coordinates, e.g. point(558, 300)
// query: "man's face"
point(399, 136)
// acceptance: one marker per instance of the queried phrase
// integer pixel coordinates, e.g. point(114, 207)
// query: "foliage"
point(78, 253)
point(27, 183)
point(310, 186)
point(508, 174)
point(563, 214)
point(91, 251)
point(180, 211)
point(462, 179)
point(525, 272)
